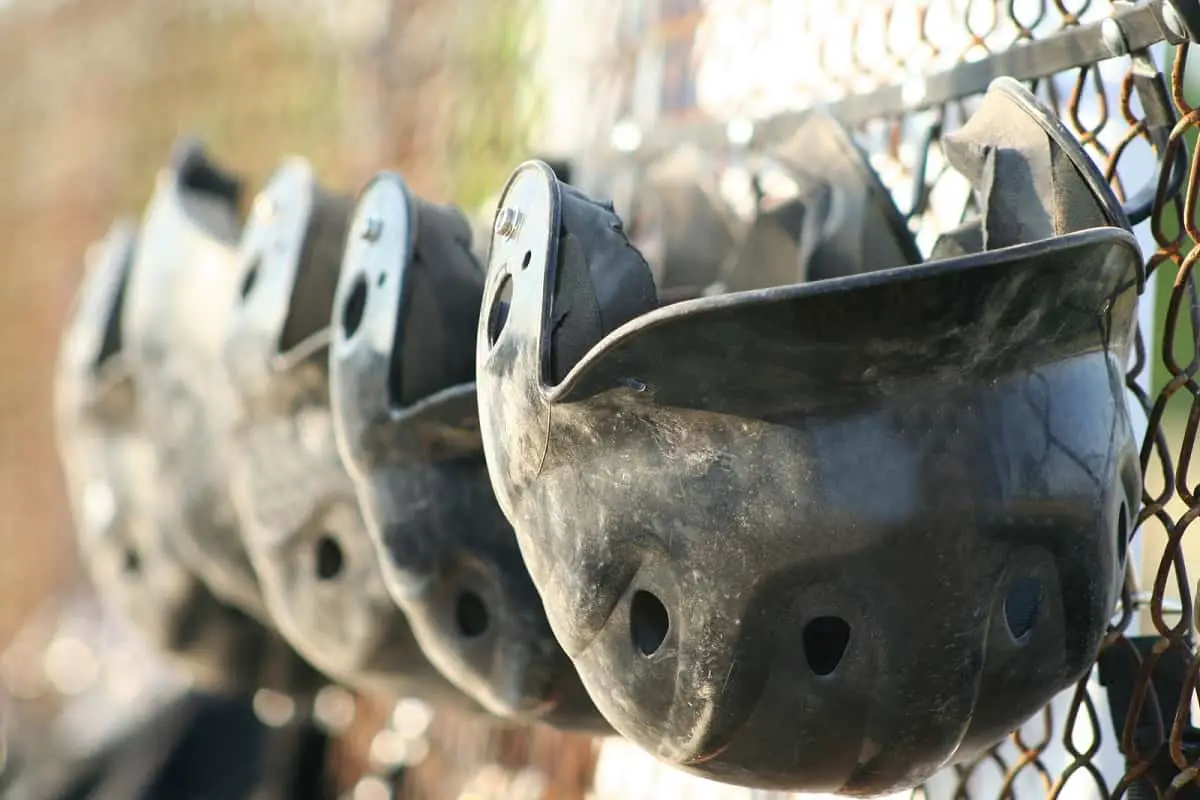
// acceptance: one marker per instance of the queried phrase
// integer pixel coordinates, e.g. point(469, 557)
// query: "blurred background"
point(92, 96)
point(452, 93)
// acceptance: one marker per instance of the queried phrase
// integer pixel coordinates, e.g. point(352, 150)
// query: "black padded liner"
point(602, 282)
point(965, 240)
point(310, 307)
point(208, 194)
point(841, 222)
point(434, 347)
point(1028, 187)
point(873, 234)
point(1078, 208)
point(198, 172)
point(562, 168)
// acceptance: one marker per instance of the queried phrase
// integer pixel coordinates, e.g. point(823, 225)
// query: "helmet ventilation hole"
point(1021, 606)
point(329, 558)
point(132, 562)
point(648, 622)
point(470, 614)
point(825, 641)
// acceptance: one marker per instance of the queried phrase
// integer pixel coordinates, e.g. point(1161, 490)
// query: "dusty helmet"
point(319, 571)
point(825, 536)
point(181, 288)
point(404, 410)
point(123, 515)
point(681, 221)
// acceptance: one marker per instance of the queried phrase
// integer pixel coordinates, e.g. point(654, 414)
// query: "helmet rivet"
point(371, 228)
point(507, 222)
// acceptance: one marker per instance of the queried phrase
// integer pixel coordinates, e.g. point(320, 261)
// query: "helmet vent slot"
point(132, 562)
point(649, 622)
point(251, 277)
point(470, 614)
point(1021, 607)
point(330, 560)
point(825, 641)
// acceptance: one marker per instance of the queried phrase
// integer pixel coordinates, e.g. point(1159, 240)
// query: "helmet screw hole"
point(825, 641)
point(649, 622)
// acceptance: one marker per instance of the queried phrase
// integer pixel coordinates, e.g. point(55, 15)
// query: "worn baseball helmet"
point(681, 221)
point(124, 515)
point(822, 212)
point(319, 571)
point(826, 536)
point(180, 292)
point(402, 367)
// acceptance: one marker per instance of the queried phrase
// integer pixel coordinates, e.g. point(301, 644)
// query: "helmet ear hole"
point(649, 622)
point(1021, 606)
point(825, 642)
point(471, 614)
point(330, 560)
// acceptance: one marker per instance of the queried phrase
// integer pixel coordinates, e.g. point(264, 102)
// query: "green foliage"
point(253, 88)
point(1184, 340)
point(496, 100)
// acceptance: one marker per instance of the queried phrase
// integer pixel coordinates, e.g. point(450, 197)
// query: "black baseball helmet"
point(181, 289)
point(300, 519)
point(125, 516)
point(826, 536)
point(404, 410)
